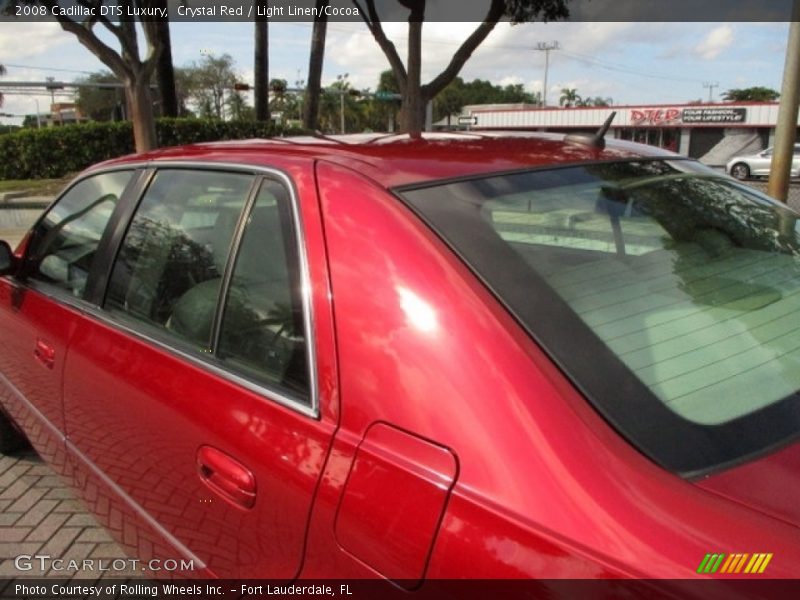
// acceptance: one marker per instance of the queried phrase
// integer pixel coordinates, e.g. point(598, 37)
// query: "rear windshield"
point(668, 293)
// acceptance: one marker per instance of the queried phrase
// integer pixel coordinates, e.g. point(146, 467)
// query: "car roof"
point(394, 160)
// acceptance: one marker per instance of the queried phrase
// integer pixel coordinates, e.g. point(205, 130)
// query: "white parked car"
point(758, 165)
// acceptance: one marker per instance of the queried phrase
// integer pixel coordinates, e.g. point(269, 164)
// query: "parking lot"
point(38, 515)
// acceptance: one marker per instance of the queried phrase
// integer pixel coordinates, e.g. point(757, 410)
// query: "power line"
point(47, 69)
point(623, 69)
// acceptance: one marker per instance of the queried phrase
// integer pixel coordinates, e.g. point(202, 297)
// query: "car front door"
point(40, 306)
point(191, 398)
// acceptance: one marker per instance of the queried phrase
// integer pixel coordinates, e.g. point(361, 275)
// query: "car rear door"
point(40, 306)
point(762, 162)
point(192, 398)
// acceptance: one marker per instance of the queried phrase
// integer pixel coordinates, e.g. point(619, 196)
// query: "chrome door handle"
point(226, 476)
point(45, 353)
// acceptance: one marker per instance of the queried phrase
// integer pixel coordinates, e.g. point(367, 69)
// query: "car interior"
point(693, 287)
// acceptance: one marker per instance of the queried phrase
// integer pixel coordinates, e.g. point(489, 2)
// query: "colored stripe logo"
point(733, 563)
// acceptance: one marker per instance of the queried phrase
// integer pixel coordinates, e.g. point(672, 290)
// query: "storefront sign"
point(714, 115)
point(673, 116)
point(656, 116)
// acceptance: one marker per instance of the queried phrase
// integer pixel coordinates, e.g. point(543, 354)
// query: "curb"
point(6, 196)
point(25, 204)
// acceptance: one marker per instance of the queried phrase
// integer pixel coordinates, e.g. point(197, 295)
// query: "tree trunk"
point(414, 95)
point(140, 111)
point(315, 61)
point(165, 73)
point(261, 68)
point(412, 112)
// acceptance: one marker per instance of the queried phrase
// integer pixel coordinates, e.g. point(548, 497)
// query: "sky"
point(632, 63)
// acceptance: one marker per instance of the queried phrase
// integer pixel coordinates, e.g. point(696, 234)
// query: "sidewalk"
point(39, 516)
point(18, 214)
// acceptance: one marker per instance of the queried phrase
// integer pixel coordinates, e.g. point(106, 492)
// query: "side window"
point(64, 243)
point(262, 334)
point(168, 273)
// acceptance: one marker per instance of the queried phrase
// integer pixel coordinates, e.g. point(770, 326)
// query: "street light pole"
point(38, 118)
point(342, 90)
point(341, 109)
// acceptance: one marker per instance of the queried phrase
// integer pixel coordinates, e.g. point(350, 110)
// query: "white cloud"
point(26, 40)
point(715, 42)
point(510, 80)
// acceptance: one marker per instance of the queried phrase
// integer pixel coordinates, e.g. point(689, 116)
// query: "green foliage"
point(30, 121)
point(569, 97)
point(596, 101)
point(208, 84)
point(523, 11)
point(388, 83)
point(752, 94)
point(54, 151)
point(278, 86)
point(338, 96)
point(459, 93)
point(2, 72)
point(99, 104)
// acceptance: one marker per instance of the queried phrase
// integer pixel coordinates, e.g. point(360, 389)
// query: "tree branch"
point(155, 45)
point(465, 50)
point(106, 54)
point(97, 17)
point(373, 22)
point(128, 38)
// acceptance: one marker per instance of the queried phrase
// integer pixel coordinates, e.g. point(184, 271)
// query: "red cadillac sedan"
point(462, 355)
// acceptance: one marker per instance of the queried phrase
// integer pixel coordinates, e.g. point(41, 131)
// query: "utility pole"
point(710, 85)
point(546, 48)
point(786, 128)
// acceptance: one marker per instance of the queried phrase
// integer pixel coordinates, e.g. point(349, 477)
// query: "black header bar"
point(388, 10)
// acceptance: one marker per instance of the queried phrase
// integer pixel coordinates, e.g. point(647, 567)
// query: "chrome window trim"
point(310, 410)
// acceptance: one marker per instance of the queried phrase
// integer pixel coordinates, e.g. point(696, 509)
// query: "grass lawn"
point(36, 187)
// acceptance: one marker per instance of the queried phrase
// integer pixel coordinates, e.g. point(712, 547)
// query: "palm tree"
point(165, 70)
point(2, 72)
point(261, 66)
point(315, 60)
point(569, 97)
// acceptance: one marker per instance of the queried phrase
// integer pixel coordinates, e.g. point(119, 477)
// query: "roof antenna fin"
point(595, 141)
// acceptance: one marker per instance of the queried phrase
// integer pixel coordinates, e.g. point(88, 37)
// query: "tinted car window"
point(168, 273)
point(669, 294)
point(64, 243)
point(263, 333)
